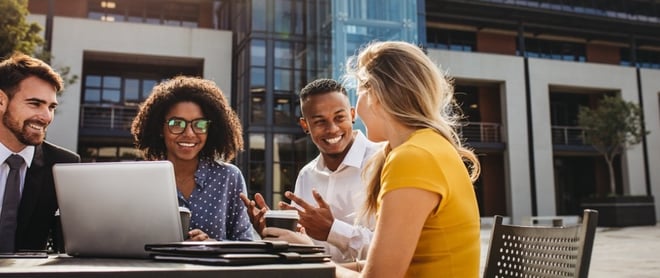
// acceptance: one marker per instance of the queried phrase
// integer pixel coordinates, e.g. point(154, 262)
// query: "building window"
point(258, 82)
point(259, 15)
point(645, 58)
point(257, 166)
point(288, 153)
point(467, 97)
point(556, 50)
point(172, 13)
point(111, 101)
point(113, 86)
point(285, 109)
point(110, 153)
point(113, 89)
point(627, 10)
point(648, 59)
point(451, 39)
point(258, 107)
point(565, 107)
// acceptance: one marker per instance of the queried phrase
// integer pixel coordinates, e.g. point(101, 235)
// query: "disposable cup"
point(285, 219)
point(184, 213)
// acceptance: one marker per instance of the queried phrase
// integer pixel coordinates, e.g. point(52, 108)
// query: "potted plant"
point(612, 127)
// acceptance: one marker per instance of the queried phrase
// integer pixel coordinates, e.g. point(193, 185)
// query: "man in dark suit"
point(27, 105)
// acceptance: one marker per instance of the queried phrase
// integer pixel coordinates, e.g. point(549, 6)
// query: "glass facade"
point(281, 45)
point(356, 23)
point(273, 62)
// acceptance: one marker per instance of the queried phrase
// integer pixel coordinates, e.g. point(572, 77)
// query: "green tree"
point(16, 34)
point(611, 127)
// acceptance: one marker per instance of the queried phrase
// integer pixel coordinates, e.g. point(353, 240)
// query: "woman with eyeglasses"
point(188, 121)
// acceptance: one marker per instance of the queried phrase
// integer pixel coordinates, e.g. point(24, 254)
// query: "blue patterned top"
point(215, 203)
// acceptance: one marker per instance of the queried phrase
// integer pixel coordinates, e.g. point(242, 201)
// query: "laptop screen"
point(112, 209)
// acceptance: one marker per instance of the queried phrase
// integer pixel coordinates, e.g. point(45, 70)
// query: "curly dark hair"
point(225, 134)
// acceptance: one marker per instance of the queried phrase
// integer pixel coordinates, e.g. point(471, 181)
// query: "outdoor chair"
point(539, 251)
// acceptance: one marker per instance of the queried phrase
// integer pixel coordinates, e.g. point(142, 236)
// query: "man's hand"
point(273, 233)
point(317, 221)
point(256, 209)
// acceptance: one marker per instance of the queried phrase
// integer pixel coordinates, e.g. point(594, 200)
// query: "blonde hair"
point(413, 90)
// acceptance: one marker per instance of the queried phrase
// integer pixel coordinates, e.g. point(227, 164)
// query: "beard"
point(22, 132)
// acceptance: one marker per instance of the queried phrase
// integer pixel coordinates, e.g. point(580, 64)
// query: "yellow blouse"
point(449, 244)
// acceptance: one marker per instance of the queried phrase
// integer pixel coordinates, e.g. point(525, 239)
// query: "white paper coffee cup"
point(184, 213)
point(285, 219)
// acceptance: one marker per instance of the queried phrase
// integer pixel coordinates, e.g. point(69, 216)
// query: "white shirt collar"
point(27, 153)
point(355, 155)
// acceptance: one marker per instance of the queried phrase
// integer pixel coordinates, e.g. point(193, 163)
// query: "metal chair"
point(541, 252)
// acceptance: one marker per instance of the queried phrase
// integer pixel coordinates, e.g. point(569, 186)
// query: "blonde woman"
point(420, 187)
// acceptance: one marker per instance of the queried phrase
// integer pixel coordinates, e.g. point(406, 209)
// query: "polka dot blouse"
point(215, 203)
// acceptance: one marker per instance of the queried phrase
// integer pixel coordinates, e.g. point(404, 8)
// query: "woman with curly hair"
point(188, 121)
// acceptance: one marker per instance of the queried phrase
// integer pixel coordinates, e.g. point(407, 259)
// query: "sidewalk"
point(630, 252)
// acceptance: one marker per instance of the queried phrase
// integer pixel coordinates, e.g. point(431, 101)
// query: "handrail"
point(120, 117)
point(107, 116)
point(567, 135)
point(484, 132)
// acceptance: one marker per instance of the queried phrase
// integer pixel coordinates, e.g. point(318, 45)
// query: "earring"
point(353, 121)
point(306, 131)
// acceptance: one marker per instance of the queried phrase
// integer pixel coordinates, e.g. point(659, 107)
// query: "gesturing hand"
point(317, 221)
point(256, 209)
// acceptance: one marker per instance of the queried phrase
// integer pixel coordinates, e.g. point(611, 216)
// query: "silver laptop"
point(112, 209)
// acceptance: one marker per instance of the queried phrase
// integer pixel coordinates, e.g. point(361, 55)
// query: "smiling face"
point(27, 115)
point(187, 145)
point(329, 119)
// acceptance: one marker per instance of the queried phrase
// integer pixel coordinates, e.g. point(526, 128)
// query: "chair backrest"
point(540, 252)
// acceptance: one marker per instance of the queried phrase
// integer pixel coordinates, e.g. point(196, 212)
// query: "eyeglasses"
point(178, 125)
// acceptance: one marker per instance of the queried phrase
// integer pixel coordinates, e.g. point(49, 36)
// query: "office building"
point(522, 69)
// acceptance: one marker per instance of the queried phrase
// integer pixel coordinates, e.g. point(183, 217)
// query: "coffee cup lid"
point(292, 214)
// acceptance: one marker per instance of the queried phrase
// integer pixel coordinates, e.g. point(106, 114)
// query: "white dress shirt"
point(345, 192)
point(27, 153)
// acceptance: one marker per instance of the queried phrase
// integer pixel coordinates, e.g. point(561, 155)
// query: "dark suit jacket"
point(36, 212)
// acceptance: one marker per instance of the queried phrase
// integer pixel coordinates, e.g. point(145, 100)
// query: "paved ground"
point(631, 252)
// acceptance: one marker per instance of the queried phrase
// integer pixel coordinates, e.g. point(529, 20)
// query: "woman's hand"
point(197, 235)
point(272, 233)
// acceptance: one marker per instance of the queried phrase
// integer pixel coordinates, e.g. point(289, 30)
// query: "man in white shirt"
point(329, 191)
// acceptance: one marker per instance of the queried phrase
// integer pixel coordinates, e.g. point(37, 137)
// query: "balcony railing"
point(481, 132)
point(620, 10)
point(567, 135)
point(104, 116)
